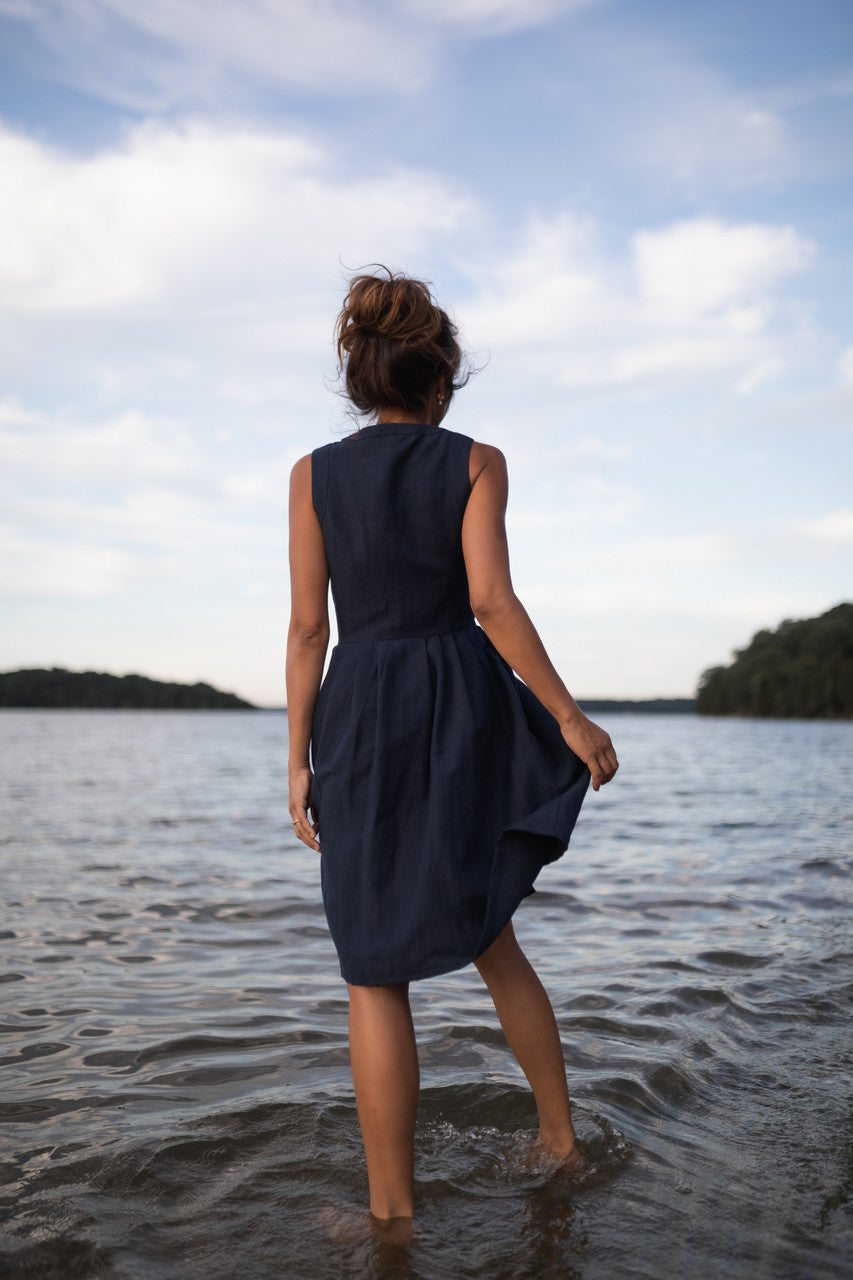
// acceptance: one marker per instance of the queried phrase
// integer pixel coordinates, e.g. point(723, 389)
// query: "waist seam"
point(416, 635)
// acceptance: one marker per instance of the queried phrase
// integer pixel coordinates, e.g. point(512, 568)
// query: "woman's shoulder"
point(485, 457)
point(479, 449)
point(300, 472)
point(486, 453)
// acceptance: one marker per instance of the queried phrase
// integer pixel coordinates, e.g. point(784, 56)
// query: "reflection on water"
point(176, 1097)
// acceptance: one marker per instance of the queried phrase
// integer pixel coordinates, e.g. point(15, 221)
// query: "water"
point(176, 1100)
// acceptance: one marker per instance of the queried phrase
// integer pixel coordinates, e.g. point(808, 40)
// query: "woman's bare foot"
point(398, 1231)
point(357, 1226)
point(569, 1159)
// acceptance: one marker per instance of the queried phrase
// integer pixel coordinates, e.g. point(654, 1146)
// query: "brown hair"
point(396, 347)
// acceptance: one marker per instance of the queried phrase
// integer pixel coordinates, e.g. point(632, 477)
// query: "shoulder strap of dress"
point(320, 479)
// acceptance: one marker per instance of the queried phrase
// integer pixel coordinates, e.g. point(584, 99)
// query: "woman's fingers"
point(304, 827)
point(598, 754)
point(300, 803)
point(603, 769)
point(301, 785)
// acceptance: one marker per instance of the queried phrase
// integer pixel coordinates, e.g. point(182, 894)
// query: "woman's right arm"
point(505, 621)
point(307, 641)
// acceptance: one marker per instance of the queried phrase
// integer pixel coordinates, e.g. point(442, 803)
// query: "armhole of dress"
point(470, 442)
point(320, 480)
point(464, 445)
point(458, 496)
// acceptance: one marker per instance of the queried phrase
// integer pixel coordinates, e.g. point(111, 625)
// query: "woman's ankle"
point(560, 1143)
point(391, 1211)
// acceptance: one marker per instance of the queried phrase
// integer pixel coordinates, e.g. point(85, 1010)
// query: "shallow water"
point(176, 1099)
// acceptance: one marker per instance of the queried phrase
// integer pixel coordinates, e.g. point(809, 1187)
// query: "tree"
point(802, 669)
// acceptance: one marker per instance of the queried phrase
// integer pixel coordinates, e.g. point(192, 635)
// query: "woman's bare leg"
point(530, 1027)
point(385, 1073)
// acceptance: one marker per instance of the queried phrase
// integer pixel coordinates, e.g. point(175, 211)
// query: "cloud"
point(835, 526)
point(133, 500)
point(550, 287)
point(597, 502)
point(694, 298)
point(167, 53)
point(693, 268)
point(492, 16)
point(36, 566)
point(202, 266)
point(188, 276)
point(221, 249)
point(192, 209)
point(129, 445)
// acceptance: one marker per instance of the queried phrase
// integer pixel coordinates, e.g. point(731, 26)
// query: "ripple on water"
point(734, 959)
point(623, 1028)
point(170, 1121)
point(183, 1196)
point(826, 866)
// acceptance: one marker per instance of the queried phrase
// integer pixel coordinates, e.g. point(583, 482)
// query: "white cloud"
point(223, 249)
point(550, 288)
point(164, 53)
point(692, 268)
point(153, 55)
point(191, 209)
point(695, 299)
point(835, 526)
point(130, 445)
point(492, 16)
point(38, 566)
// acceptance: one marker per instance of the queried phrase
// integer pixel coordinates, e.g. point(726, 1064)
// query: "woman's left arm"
point(307, 642)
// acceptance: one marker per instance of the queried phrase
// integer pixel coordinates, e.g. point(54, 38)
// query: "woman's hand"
point(306, 828)
point(593, 745)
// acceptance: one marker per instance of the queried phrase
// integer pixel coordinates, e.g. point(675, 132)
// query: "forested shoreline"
point(803, 670)
point(95, 690)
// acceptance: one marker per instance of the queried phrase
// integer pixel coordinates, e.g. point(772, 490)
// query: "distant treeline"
point(85, 690)
point(803, 669)
point(649, 706)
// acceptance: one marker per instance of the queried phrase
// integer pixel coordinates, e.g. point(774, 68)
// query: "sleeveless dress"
point(441, 784)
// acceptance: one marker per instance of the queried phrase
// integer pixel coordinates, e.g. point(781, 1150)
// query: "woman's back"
point(391, 500)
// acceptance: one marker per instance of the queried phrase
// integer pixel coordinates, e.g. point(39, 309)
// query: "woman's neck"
point(398, 415)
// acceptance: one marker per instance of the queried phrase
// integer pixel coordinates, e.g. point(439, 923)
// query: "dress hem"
point(432, 971)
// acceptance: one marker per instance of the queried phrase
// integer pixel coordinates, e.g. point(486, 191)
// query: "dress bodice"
point(390, 500)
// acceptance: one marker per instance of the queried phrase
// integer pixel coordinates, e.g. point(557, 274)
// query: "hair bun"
point(396, 308)
point(398, 346)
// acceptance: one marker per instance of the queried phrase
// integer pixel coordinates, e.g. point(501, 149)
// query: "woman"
point(441, 783)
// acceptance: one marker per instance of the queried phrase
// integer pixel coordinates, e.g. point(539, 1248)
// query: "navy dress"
point(441, 784)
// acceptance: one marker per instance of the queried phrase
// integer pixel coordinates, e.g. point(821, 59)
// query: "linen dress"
point(441, 784)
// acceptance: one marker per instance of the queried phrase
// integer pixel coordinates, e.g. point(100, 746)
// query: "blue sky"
point(638, 211)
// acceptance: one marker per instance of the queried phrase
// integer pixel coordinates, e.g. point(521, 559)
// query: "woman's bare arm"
point(307, 641)
point(505, 621)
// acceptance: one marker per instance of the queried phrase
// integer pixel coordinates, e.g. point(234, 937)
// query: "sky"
point(637, 211)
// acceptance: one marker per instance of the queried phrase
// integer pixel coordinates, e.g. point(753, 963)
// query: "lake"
point(176, 1099)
